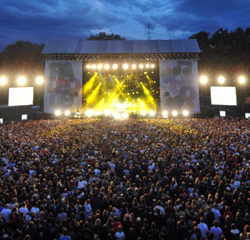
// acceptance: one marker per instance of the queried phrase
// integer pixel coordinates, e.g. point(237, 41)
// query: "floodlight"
point(174, 113)
point(125, 66)
point(164, 114)
point(93, 66)
point(99, 66)
point(39, 80)
point(134, 66)
point(88, 66)
point(58, 112)
point(89, 113)
point(221, 79)
point(67, 113)
point(242, 79)
point(115, 66)
point(116, 115)
point(147, 65)
point(185, 113)
point(3, 81)
point(152, 66)
point(124, 115)
point(151, 113)
point(143, 113)
point(141, 66)
point(203, 80)
point(21, 80)
point(106, 66)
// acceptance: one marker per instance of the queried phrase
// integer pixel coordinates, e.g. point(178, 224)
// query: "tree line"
point(221, 52)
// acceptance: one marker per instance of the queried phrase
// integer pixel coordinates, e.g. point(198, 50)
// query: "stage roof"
point(121, 46)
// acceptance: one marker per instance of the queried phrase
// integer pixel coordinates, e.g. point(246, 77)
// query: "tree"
point(22, 57)
point(105, 36)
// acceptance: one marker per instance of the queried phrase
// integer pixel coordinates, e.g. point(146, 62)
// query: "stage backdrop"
point(63, 85)
point(179, 87)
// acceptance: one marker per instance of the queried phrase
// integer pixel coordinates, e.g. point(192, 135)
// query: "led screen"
point(20, 96)
point(223, 96)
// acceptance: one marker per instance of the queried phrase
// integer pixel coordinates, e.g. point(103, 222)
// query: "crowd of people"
point(180, 179)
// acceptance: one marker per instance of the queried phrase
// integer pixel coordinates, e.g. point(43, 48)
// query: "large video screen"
point(223, 96)
point(20, 96)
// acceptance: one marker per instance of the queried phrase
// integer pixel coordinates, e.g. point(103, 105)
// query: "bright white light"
point(3, 81)
point(152, 66)
point(124, 115)
point(174, 113)
point(242, 80)
point(98, 113)
point(143, 113)
point(88, 66)
point(99, 66)
point(89, 113)
point(39, 80)
point(93, 66)
point(134, 66)
point(20, 96)
point(221, 79)
point(185, 113)
point(223, 95)
point(24, 116)
point(1, 120)
point(67, 113)
point(203, 80)
point(222, 113)
point(21, 80)
point(147, 65)
point(125, 66)
point(107, 112)
point(164, 114)
point(115, 66)
point(58, 112)
point(116, 115)
point(247, 115)
point(151, 113)
point(141, 66)
point(106, 66)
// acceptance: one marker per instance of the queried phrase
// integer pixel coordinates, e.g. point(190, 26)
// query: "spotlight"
point(125, 66)
point(3, 81)
point(242, 80)
point(88, 66)
point(67, 113)
point(151, 113)
point(89, 113)
point(58, 113)
point(141, 66)
point(134, 66)
point(107, 112)
point(39, 80)
point(106, 66)
point(174, 113)
point(203, 80)
point(124, 115)
point(98, 113)
point(99, 66)
point(147, 65)
point(115, 66)
point(221, 79)
point(143, 113)
point(116, 115)
point(164, 114)
point(152, 66)
point(21, 80)
point(93, 66)
point(185, 113)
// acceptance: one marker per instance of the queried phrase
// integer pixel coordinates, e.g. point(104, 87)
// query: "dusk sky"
point(41, 20)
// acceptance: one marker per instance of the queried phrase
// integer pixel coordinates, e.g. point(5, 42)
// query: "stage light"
point(115, 66)
point(98, 113)
point(106, 66)
point(89, 113)
point(151, 113)
point(58, 112)
point(21, 80)
point(124, 115)
point(152, 66)
point(164, 114)
point(185, 113)
point(242, 79)
point(3, 81)
point(221, 79)
point(125, 66)
point(203, 80)
point(99, 66)
point(134, 66)
point(116, 115)
point(39, 80)
point(93, 66)
point(143, 113)
point(88, 66)
point(107, 112)
point(67, 113)
point(141, 66)
point(174, 113)
point(147, 65)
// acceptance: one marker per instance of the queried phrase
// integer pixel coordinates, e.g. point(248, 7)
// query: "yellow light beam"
point(92, 97)
point(149, 97)
point(89, 84)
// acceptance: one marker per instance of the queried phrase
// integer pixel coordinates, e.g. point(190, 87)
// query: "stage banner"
point(179, 88)
point(63, 83)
